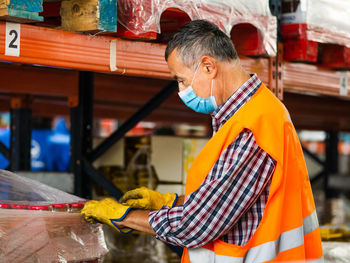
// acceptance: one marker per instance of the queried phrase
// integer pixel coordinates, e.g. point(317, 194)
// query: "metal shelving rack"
point(61, 72)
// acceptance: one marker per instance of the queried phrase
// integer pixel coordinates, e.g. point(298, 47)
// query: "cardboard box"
point(113, 157)
point(172, 156)
point(192, 147)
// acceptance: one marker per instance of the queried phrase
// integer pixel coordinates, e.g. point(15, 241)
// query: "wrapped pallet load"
point(143, 16)
point(38, 223)
point(308, 23)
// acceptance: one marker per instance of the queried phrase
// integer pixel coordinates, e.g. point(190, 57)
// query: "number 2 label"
point(13, 39)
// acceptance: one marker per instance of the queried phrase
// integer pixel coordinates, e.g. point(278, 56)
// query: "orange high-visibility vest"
point(288, 230)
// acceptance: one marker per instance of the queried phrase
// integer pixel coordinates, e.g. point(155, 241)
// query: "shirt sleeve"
point(232, 186)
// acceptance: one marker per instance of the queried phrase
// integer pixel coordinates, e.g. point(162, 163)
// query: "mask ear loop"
point(211, 94)
point(195, 73)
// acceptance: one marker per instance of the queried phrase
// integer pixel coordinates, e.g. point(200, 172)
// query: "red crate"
point(247, 40)
point(335, 56)
point(171, 20)
point(296, 45)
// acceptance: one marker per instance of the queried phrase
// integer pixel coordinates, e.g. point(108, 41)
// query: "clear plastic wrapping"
point(336, 252)
point(142, 16)
point(18, 189)
point(327, 21)
point(43, 236)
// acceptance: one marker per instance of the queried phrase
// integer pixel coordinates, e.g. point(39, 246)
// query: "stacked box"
point(308, 23)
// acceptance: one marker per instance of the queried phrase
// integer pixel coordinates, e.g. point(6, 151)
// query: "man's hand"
point(146, 198)
point(108, 212)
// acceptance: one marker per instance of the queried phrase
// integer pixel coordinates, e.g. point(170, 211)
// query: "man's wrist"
point(180, 200)
point(127, 219)
point(137, 219)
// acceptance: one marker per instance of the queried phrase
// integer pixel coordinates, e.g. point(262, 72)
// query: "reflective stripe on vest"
point(310, 222)
point(319, 260)
point(264, 252)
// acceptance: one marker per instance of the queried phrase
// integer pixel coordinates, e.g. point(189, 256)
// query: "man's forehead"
point(176, 66)
point(174, 59)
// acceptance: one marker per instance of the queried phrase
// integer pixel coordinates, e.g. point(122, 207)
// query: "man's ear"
point(209, 66)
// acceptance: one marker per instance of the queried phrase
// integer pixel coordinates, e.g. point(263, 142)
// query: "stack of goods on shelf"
point(42, 224)
point(317, 31)
point(21, 11)
point(250, 23)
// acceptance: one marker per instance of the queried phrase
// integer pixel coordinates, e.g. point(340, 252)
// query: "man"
point(248, 197)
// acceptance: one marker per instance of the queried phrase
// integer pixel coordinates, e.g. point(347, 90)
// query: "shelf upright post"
point(275, 73)
point(276, 63)
point(276, 10)
point(82, 108)
point(81, 133)
point(331, 165)
point(21, 131)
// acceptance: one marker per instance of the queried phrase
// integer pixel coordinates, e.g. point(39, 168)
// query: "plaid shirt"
point(230, 202)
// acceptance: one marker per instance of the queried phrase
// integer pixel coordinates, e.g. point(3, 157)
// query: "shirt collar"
point(235, 102)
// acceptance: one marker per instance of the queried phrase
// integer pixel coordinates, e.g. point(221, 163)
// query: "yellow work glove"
point(146, 198)
point(106, 211)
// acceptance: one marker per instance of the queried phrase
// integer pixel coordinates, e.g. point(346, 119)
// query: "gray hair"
point(201, 38)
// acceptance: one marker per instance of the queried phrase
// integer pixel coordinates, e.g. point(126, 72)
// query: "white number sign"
point(13, 39)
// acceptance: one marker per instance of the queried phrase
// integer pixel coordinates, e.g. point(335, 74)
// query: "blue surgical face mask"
point(198, 104)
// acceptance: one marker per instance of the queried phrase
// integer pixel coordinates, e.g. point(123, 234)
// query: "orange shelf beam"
point(307, 78)
point(57, 48)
